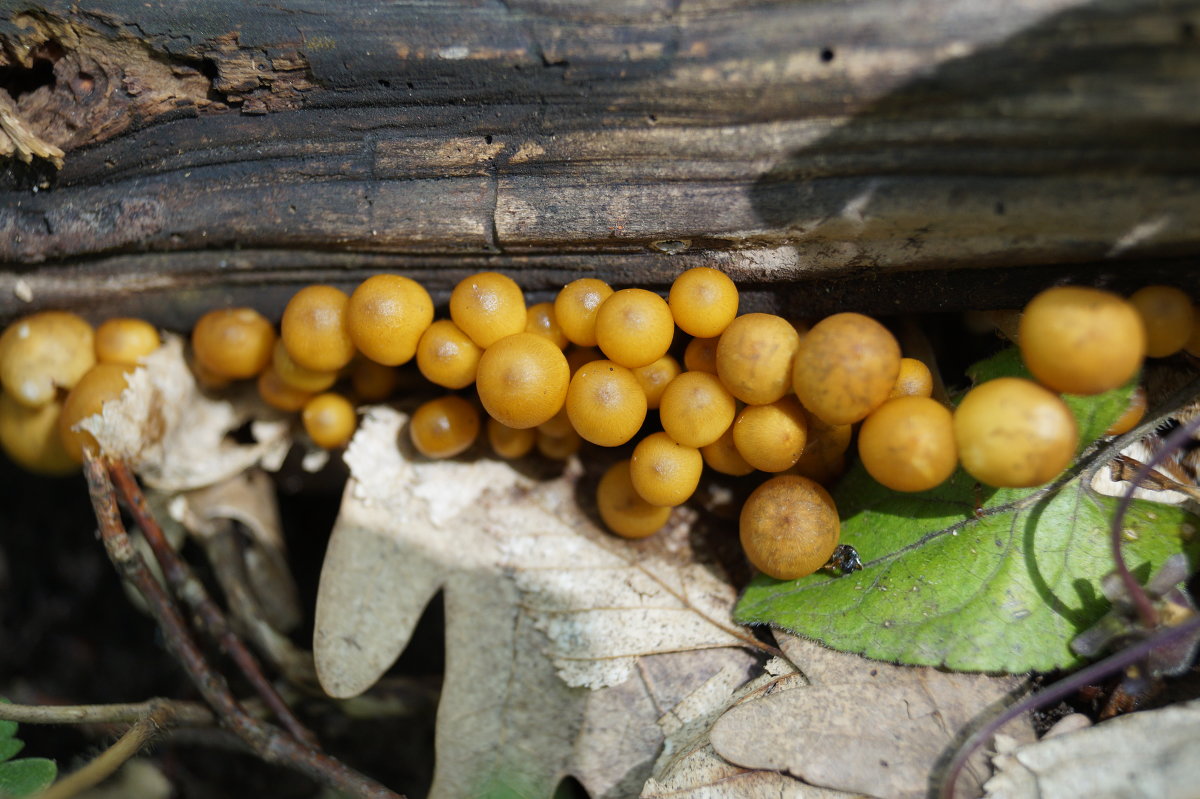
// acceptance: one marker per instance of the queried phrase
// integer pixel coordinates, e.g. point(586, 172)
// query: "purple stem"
point(1173, 443)
point(1061, 689)
point(1113, 663)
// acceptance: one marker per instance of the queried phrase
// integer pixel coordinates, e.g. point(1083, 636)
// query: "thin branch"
point(111, 759)
point(1116, 662)
point(1123, 468)
point(1137, 595)
point(192, 591)
point(173, 712)
point(268, 742)
point(1061, 689)
point(249, 614)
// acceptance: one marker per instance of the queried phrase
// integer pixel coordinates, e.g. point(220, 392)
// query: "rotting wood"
point(819, 141)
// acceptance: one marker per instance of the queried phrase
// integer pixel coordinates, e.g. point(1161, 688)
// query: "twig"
point(268, 742)
point(1123, 468)
point(1116, 662)
point(1059, 690)
point(249, 614)
point(192, 591)
point(171, 711)
point(111, 759)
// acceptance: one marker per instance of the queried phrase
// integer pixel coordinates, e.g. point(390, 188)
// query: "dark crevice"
point(17, 80)
point(208, 68)
point(570, 788)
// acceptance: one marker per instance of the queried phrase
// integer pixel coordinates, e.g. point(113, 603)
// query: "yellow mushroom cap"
point(329, 420)
point(447, 356)
point(541, 319)
point(623, 509)
point(233, 343)
point(103, 382)
point(508, 442)
point(605, 403)
point(522, 380)
point(30, 437)
point(386, 316)
point(663, 471)
point(125, 340)
point(696, 409)
point(576, 307)
point(789, 527)
point(43, 353)
point(487, 307)
point(755, 355)
point(846, 367)
point(703, 302)
point(444, 427)
point(314, 328)
point(634, 327)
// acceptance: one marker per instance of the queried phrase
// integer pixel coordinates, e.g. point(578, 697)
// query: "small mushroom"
point(43, 353)
point(30, 437)
point(102, 383)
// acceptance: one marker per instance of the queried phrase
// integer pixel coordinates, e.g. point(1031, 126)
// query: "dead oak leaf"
point(1151, 753)
point(862, 726)
point(539, 604)
point(689, 768)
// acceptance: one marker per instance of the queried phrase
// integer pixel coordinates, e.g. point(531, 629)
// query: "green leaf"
point(8, 729)
point(26, 776)
point(1002, 590)
point(9, 747)
point(23, 777)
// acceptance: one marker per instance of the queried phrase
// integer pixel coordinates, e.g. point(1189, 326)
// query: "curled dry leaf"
point(539, 602)
point(252, 569)
point(175, 436)
point(863, 726)
point(1151, 753)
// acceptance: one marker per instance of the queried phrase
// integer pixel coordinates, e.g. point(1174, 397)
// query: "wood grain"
point(224, 151)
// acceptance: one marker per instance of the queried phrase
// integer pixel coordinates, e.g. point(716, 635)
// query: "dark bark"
point(863, 153)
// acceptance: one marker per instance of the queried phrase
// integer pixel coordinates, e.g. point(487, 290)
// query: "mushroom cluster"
point(755, 393)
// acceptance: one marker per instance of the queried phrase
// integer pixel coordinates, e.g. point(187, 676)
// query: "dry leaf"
point(176, 437)
point(258, 565)
point(861, 726)
point(1151, 753)
point(539, 602)
point(689, 768)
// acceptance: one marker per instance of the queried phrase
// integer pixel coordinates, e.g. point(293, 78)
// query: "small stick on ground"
point(248, 613)
point(1124, 468)
point(268, 742)
point(170, 712)
point(107, 762)
point(191, 590)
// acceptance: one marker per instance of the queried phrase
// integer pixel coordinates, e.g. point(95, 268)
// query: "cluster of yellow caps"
point(755, 392)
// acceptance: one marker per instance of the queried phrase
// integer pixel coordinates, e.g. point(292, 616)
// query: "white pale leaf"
point(539, 603)
point(1149, 754)
point(173, 435)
